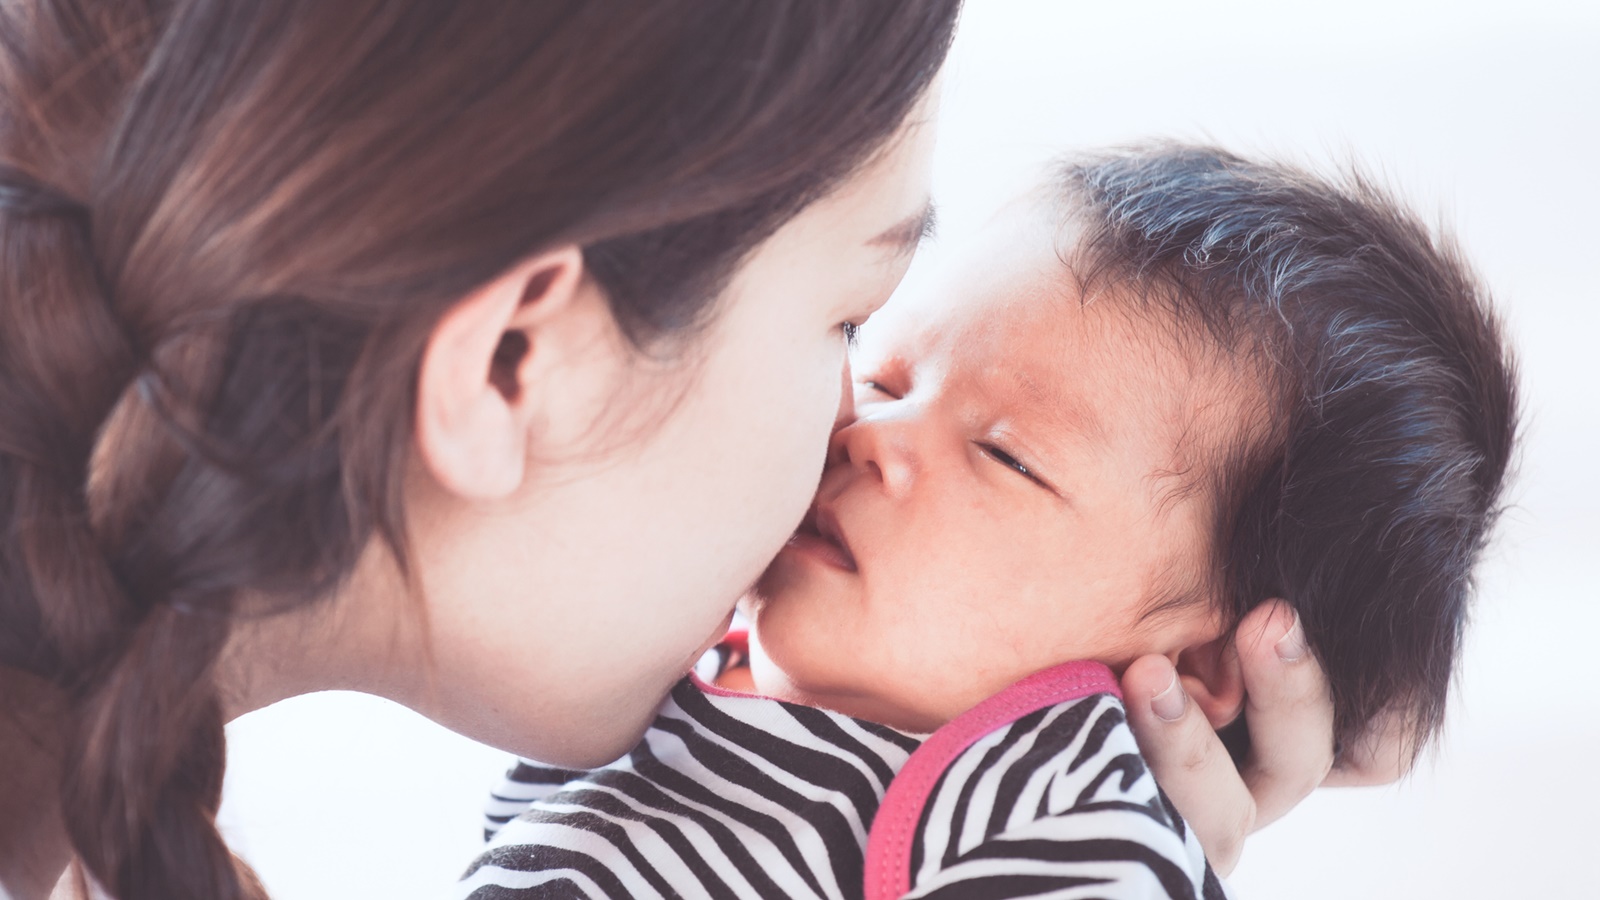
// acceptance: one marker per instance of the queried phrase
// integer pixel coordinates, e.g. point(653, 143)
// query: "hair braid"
point(145, 767)
point(145, 757)
point(63, 363)
point(144, 742)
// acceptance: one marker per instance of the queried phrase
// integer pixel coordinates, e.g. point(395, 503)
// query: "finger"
point(1380, 756)
point(1288, 708)
point(1188, 760)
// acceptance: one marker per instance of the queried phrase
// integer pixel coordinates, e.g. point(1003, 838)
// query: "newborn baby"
point(1166, 386)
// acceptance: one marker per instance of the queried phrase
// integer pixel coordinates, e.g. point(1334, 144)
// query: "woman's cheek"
point(814, 402)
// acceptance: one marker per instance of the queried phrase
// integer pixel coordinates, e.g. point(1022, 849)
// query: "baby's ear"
point(1213, 678)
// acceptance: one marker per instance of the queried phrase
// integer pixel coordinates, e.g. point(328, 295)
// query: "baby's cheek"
point(802, 647)
point(927, 670)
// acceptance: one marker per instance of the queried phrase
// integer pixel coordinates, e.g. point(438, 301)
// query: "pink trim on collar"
point(888, 863)
point(739, 638)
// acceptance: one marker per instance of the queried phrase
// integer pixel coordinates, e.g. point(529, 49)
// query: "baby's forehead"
point(1157, 393)
point(1021, 313)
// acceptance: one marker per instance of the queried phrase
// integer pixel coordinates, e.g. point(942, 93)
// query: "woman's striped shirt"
point(1039, 791)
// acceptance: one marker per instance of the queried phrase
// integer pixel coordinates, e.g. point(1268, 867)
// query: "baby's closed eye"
point(1004, 458)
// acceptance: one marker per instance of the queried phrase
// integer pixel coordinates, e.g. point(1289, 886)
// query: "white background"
point(1486, 118)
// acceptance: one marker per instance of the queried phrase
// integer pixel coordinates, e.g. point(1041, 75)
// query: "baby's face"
point(1006, 497)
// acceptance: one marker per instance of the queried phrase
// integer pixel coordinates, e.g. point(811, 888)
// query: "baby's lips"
point(828, 528)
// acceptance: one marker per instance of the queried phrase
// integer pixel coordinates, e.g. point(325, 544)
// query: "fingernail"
point(1168, 705)
point(1292, 645)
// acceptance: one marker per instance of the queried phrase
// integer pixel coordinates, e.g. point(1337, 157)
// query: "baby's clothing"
point(1038, 790)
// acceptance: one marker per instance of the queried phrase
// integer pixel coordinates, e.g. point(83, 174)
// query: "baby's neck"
point(760, 675)
point(738, 678)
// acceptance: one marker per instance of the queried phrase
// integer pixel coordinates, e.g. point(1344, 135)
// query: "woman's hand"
point(1291, 737)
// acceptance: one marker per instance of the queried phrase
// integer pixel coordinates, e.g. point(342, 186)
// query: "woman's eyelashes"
point(851, 331)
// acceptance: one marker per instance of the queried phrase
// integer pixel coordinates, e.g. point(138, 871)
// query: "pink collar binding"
point(888, 863)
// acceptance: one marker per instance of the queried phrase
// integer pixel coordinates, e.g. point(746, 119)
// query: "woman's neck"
point(357, 639)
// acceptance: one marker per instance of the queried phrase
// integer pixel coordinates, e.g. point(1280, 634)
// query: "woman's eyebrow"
point(905, 235)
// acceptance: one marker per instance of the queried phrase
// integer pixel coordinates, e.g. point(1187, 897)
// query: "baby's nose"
point(880, 447)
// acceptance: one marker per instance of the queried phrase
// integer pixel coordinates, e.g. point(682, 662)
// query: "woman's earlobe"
point(1213, 678)
point(474, 408)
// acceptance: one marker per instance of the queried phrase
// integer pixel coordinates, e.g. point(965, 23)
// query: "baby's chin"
point(774, 583)
point(825, 681)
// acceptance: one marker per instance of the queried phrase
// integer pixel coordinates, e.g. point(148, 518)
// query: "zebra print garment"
point(1038, 791)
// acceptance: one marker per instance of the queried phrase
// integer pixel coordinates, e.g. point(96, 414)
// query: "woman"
point(473, 355)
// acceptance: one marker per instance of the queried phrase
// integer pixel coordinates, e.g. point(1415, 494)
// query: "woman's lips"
point(819, 536)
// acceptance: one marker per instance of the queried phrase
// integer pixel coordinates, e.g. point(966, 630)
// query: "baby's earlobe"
point(1214, 679)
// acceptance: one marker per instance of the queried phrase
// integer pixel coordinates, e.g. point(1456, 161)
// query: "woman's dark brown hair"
point(227, 230)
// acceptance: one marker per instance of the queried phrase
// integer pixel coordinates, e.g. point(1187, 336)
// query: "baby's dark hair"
point(1368, 499)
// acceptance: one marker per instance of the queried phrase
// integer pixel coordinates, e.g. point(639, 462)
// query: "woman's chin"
point(586, 747)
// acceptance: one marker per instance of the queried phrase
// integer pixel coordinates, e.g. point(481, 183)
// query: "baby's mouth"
point(820, 528)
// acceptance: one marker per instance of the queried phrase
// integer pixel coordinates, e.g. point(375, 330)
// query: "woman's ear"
point(475, 407)
point(1213, 678)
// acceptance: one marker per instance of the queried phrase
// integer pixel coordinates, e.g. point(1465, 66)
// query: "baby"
point(1163, 388)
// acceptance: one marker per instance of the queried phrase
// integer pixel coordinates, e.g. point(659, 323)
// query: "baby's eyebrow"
point(1070, 415)
point(905, 235)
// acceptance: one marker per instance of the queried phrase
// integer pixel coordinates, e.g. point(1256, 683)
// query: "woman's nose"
point(880, 445)
point(846, 412)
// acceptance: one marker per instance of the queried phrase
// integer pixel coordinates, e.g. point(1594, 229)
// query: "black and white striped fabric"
point(1038, 792)
point(1058, 803)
